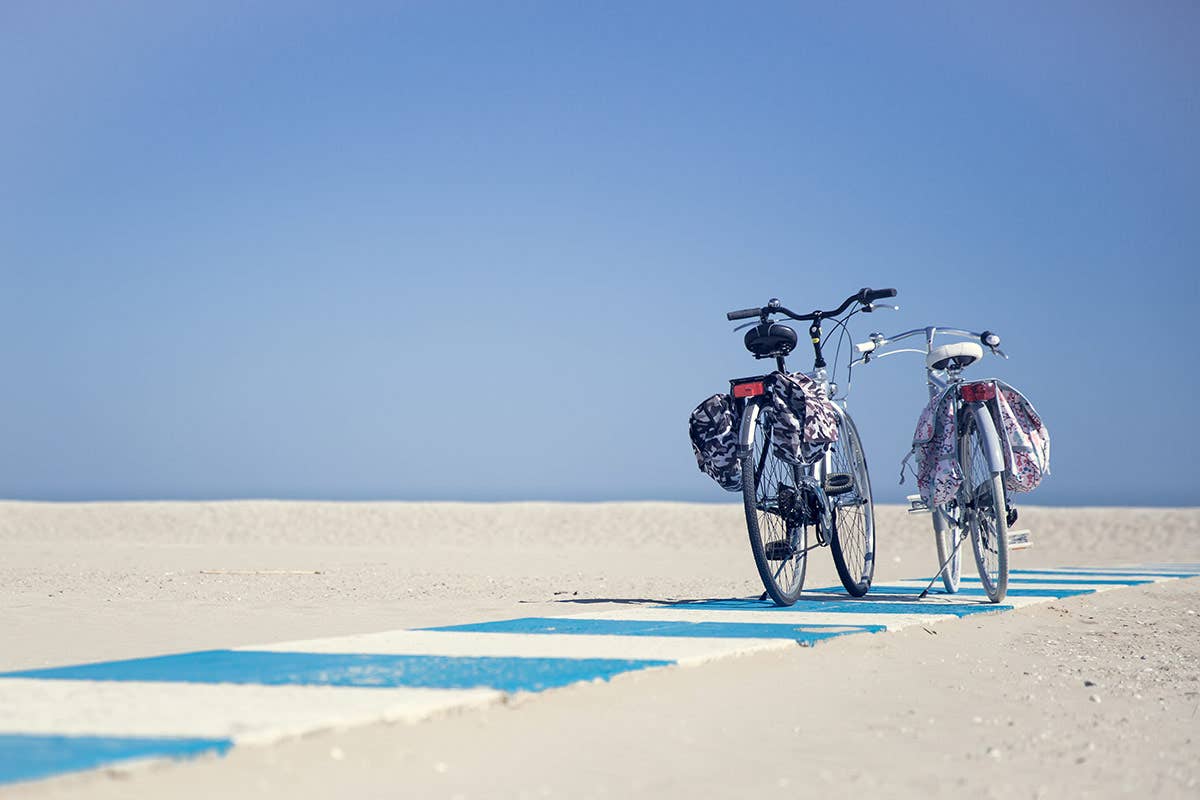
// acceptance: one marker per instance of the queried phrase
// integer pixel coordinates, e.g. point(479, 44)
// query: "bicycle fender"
point(746, 432)
point(991, 440)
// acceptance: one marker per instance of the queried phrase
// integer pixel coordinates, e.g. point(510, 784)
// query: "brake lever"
point(869, 307)
point(996, 351)
point(746, 325)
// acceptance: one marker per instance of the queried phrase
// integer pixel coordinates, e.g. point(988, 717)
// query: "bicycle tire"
point(763, 474)
point(946, 533)
point(853, 539)
point(982, 493)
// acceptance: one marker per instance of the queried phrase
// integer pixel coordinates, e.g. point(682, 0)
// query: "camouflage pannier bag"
point(803, 420)
point(714, 430)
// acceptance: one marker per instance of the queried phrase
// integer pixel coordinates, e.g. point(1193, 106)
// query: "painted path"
point(71, 718)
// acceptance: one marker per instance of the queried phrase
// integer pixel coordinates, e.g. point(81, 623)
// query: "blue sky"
point(483, 250)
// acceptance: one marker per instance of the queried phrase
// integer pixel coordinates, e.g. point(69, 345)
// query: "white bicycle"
point(980, 509)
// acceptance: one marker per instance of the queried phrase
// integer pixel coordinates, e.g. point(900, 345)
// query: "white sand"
point(992, 707)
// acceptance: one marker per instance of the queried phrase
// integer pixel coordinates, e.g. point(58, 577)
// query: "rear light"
point(978, 392)
point(753, 389)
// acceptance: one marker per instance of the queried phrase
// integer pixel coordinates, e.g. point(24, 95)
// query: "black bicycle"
point(831, 493)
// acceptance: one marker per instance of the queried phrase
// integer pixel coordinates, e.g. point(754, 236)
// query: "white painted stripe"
point(952, 599)
point(529, 645)
point(245, 714)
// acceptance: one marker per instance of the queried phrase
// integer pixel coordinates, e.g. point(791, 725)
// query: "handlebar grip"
point(871, 295)
point(745, 313)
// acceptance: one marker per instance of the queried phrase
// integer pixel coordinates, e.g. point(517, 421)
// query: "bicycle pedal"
point(916, 504)
point(838, 483)
point(778, 551)
point(1019, 540)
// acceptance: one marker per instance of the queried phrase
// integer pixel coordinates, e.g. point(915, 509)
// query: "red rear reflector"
point(978, 392)
point(748, 389)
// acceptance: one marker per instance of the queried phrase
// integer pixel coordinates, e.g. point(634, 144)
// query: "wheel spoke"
point(853, 515)
point(986, 511)
point(784, 553)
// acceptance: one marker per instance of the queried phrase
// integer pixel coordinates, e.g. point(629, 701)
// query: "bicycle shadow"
point(641, 601)
point(806, 599)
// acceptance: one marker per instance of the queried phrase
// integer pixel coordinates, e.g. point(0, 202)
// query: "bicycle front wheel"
point(986, 514)
point(947, 531)
point(770, 492)
point(853, 540)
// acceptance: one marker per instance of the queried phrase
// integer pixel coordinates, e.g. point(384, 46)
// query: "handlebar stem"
point(814, 333)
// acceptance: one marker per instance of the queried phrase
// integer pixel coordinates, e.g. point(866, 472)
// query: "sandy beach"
point(1088, 696)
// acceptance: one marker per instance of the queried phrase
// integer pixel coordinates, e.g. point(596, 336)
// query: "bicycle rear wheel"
point(770, 490)
point(985, 511)
point(947, 531)
point(853, 540)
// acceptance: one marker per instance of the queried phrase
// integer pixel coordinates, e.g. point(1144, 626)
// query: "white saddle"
point(957, 355)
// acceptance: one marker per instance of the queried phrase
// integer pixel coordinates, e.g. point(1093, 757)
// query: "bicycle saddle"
point(956, 355)
point(770, 339)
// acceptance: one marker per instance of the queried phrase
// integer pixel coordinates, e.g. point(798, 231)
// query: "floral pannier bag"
point(935, 445)
point(1024, 439)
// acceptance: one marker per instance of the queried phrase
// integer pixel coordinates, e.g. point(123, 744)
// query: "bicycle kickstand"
point(942, 568)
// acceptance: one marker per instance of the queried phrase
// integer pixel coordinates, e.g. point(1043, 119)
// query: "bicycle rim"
point(779, 548)
point(983, 495)
point(946, 533)
point(853, 541)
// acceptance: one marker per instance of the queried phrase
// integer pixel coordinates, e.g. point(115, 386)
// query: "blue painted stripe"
point(1016, 579)
point(1169, 568)
point(1115, 573)
point(865, 605)
point(908, 591)
point(27, 757)
point(509, 674)
point(702, 630)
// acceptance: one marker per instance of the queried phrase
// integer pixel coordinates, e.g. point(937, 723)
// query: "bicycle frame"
point(940, 381)
point(813, 475)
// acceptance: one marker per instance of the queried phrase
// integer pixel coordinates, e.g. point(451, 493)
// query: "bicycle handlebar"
point(864, 296)
point(988, 339)
point(871, 295)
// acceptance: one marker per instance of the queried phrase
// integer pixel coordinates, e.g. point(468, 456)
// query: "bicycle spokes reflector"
point(978, 392)
point(753, 389)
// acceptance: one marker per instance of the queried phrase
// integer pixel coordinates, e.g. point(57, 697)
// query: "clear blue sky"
point(483, 250)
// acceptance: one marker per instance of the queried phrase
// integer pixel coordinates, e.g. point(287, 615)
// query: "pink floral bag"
point(1026, 440)
point(935, 447)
